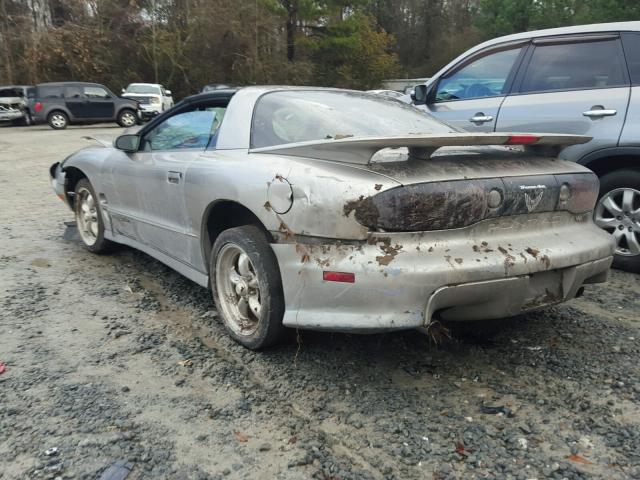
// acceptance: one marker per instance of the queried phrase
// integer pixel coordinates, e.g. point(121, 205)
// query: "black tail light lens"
point(460, 203)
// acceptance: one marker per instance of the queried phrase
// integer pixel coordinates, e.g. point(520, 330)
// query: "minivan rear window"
point(47, 91)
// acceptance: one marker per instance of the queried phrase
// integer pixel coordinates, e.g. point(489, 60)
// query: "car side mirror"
point(128, 143)
point(123, 90)
point(419, 95)
point(168, 92)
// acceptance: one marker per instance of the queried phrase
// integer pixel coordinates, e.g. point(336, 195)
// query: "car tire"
point(247, 287)
point(88, 213)
point(127, 118)
point(27, 120)
point(58, 120)
point(624, 223)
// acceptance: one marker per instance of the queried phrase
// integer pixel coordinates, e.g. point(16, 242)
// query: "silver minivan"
point(582, 80)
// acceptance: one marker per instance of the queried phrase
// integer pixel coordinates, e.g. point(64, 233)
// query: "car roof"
point(61, 84)
point(212, 95)
point(549, 32)
point(259, 90)
point(144, 83)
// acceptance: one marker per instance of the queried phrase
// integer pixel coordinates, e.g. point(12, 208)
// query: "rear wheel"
point(247, 288)
point(618, 212)
point(58, 120)
point(127, 118)
point(89, 218)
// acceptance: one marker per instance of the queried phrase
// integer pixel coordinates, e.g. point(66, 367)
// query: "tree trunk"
point(292, 26)
point(5, 44)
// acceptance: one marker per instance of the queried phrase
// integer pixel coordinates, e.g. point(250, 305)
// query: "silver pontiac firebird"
point(338, 210)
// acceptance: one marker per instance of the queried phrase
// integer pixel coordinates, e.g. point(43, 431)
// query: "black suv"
point(60, 104)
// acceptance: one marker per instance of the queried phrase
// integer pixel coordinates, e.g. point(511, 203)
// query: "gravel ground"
point(117, 357)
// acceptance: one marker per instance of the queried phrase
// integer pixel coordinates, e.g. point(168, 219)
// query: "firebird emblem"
point(532, 195)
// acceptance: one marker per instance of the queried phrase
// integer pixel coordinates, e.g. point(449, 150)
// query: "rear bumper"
point(493, 269)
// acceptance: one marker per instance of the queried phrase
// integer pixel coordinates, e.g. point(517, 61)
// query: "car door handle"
point(481, 118)
point(599, 112)
point(174, 177)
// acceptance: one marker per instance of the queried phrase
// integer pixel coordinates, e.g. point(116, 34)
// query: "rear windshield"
point(304, 115)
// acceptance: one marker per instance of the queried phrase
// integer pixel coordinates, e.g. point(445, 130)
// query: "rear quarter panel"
point(263, 183)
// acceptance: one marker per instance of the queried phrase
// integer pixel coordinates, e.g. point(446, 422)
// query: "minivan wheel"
point(618, 212)
point(58, 120)
point(247, 287)
point(88, 214)
point(127, 118)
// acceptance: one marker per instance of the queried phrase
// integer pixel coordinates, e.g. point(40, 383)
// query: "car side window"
point(195, 129)
point(631, 43)
point(575, 66)
point(50, 92)
point(96, 93)
point(484, 77)
point(72, 91)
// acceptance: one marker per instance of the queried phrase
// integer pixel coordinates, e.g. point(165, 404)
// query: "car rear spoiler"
point(362, 149)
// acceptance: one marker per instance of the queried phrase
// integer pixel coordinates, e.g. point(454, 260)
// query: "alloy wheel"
point(238, 289)
point(618, 212)
point(58, 120)
point(128, 119)
point(87, 217)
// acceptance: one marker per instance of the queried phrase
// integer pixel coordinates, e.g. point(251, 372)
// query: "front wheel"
point(247, 287)
point(89, 218)
point(127, 118)
point(618, 212)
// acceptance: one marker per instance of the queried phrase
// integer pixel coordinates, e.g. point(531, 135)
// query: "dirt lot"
point(118, 358)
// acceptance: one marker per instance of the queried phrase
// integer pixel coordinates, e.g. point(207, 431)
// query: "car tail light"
point(460, 203)
point(344, 277)
point(38, 107)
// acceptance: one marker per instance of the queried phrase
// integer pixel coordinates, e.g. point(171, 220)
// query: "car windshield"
point(305, 115)
point(141, 88)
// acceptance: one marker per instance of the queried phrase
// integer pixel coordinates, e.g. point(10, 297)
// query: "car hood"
point(11, 100)
point(127, 95)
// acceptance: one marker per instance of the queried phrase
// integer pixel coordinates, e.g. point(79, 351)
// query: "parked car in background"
point(298, 209)
point(62, 103)
point(387, 93)
point(152, 97)
point(212, 87)
point(14, 104)
point(583, 80)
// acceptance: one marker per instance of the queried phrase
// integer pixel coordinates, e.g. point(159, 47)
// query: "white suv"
point(153, 97)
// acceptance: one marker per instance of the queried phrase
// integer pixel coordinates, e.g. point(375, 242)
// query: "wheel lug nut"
point(619, 217)
point(621, 227)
